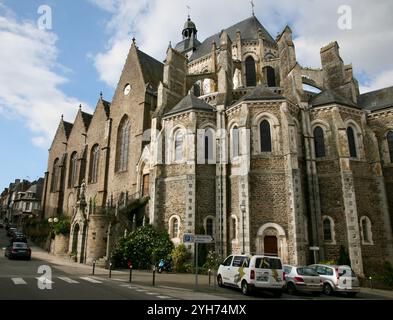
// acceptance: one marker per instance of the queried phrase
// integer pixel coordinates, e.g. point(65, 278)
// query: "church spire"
point(189, 31)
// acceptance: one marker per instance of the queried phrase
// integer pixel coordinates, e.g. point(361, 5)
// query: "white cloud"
point(154, 23)
point(29, 84)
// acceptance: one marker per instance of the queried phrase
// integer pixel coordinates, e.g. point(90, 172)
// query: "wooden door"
point(270, 245)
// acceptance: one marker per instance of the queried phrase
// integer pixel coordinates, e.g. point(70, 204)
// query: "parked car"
point(302, 279)
point(11, 231)
point(18, 250)
point(250, 273)
point(18, 237)
point(340, 279)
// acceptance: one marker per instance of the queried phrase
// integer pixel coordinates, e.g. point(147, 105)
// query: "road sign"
point(197, 238)
point(203, 238)
point(188, 238)
point(314, 248)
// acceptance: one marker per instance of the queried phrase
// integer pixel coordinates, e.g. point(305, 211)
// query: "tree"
point(144, 247)
point(344, 257)
point(179, 257)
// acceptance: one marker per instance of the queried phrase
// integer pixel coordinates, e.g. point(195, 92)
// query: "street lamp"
point(243, 210)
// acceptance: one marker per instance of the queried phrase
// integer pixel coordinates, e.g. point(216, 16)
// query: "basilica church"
point(231, 137)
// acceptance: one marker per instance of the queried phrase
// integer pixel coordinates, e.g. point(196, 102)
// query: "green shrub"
point(63, 227)
point(179, 257)
point(213, 260)
point(144, 247)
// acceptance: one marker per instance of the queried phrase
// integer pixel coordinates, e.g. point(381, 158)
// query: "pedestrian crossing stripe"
point(68, 280)
point(44, 280)
point(18, 281)
point(90, 280)
point(163, 297)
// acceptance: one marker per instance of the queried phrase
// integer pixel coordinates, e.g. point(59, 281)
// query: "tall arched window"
point(174, 227)
point(327, 230)
point(179, 144)
point(233, 228)
point(270, 76)
point(265, 136)
point(55, 175)
point(123, 144)
point(209, 145)
point(366, 232)
point(235, 142)
point(319, 142)
point(73, 170)
point(209, 226)
point(251, 75)
point(351, 142)
point(94, 163)
point(390, 145)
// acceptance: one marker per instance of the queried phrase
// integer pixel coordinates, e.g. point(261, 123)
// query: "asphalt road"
point(21, 280)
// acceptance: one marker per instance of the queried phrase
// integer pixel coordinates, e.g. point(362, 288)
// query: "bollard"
point(110, 269)
point(214, 279)
point(154, 276)
point(210, 274)
point(371, 282)
point(130, 280)
point(94, 267)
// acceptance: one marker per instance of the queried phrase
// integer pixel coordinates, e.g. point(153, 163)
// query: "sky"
point(57, 54)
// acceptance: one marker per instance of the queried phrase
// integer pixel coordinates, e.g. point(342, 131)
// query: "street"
point(20, 280)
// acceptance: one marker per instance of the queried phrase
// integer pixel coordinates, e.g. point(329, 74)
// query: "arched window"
point(209, 145)
point(55, 175)
point(210, 226)
point(233, 228)
point(251, 75)
point(270, 76)
point(174, 227)
point(73, 170)
point(179, 143)
point(390, 145)
point(319, 142)
point(366, 233)
point(123, 145)
point(94, 163)
point(197, 89)
point(265, 136)
point(235, 142)
point(351, 142)
point(327, 229)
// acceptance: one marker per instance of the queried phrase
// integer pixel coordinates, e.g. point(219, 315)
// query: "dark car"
point(18, 237)
point(11, 231)
point(18, 250)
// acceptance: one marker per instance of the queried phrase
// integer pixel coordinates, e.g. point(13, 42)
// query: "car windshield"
point(20, 245)
point(268, 263)
point(303, 271)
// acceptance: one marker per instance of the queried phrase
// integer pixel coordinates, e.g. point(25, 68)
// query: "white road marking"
point(18, 281)
point(152, 293)
point(68, 280)
point(44, 280)
point(90, 280)
point(140, 290)
point(163, 297)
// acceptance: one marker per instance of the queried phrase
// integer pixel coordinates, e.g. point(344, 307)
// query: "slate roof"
point(190, 102)
point(187, 44)
point(330, 97)
point(248, 28)
point(152, 69)
point(67, 127)
point(86, 117)
point(260, 93)
point(377, 100)
point(107, 107)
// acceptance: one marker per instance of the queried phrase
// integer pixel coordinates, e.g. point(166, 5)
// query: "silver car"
point(338, 279)
point(302, 279)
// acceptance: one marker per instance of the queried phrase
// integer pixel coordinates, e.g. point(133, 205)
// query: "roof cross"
point(252, 7)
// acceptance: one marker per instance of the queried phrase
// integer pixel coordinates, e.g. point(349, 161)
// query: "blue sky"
point(44, 74)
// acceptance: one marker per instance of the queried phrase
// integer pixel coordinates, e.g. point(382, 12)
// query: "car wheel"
point(352, 294)
point(327, 289)
point(291, 288)
point(219, 281)
point(245, 288)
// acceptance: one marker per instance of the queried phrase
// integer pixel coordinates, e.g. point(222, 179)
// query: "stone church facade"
point(232, 137)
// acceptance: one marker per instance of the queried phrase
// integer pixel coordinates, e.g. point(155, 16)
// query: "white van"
point(252, 272)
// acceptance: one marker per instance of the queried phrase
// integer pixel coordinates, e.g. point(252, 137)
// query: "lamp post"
point(51, 222)
point(243, 210)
